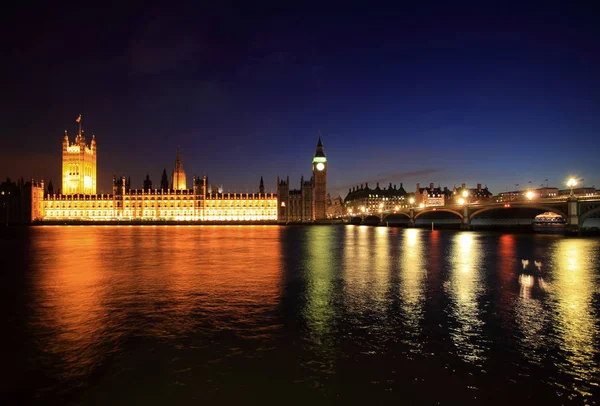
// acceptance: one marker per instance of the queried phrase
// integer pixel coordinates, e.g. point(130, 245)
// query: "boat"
point(549, 222)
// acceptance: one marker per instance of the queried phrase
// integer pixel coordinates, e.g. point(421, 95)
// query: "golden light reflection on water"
point(97, 286)
point(319, 312)
point(412, 276)
point(358, 268)
point(464, 288)
point(573, 285)
point(320, 271)
point(70, 291)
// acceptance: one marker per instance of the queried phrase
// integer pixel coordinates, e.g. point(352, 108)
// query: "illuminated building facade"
point(80, 202)
point(78, 164)
point(431, 196)
point(309, 203)
point(335, 207)
point(470, 195)
point(362, 199)
point(158, 205)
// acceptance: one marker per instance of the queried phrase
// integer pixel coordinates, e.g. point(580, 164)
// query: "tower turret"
point(178, 177)
point(319, 182)
point(261, 188)
point(78, 164)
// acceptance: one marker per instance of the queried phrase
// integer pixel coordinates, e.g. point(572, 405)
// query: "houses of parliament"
point(78, 200)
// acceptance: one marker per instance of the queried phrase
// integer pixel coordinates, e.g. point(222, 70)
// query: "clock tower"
point(319, 167)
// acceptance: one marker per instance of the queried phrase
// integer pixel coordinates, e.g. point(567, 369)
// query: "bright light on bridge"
point(465, 194)
point(572, 183)
point(530, 195)
point(461, 201)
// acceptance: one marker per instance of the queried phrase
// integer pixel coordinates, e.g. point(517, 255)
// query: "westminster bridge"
point(574, 209)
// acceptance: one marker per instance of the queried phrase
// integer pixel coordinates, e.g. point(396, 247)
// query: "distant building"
point(295, 205)
point(20, 202)
point(335, 207)
point(580, 191)
point(362, 199)
point(546, 192)
point(309, 203)
point(431, 196)
point(470, 195)
point(543, 193)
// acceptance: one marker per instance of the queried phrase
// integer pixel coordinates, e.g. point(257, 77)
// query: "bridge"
point(574, 209)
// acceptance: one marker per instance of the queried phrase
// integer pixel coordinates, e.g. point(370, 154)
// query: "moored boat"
point(549, 222)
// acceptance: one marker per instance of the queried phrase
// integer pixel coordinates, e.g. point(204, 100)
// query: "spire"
point(178, 166)
point(319, 152)
point(78, 121)
point(262, 186)
point(164, 182)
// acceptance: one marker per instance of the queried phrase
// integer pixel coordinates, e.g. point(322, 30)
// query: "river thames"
point(322, 314)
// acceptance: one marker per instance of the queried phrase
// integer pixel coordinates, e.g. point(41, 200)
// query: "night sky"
point(496, 94)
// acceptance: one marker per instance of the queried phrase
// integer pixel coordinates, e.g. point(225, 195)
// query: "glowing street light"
point(461, 201)
point(411, 200)
point(465, 193)
point(529, 195)
point(422, 205)
point(572, 183)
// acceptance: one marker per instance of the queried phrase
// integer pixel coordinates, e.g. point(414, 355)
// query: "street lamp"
point(465, 193)
point(411, 201)
point(529, 195)
point(461, 201)
point(572, 183)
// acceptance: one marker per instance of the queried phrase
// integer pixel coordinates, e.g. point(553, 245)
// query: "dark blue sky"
point(497, 94)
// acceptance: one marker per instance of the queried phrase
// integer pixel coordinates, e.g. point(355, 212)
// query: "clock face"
point(320, 166)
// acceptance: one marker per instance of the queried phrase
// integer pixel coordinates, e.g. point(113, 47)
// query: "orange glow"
point(85, 294)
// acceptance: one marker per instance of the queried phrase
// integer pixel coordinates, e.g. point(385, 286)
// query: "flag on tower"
point(78, 119)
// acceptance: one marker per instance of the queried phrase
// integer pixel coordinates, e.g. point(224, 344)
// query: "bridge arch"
point(355, 220)
point(529, 206)
point(371, 220)
point(398, 214)
point(587, 214)
point(436, 209)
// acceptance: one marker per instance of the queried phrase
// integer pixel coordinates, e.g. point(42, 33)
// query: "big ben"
point(320, 183)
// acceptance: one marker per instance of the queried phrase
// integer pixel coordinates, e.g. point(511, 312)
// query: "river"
point(296, 315)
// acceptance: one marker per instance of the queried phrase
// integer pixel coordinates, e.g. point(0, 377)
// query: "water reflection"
point(196, 312)
point(412, 277)
point(573, 290)
point(465, 286)
point(358, 251)
point(70, 291)
point(320, 271)
point(97, 289)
